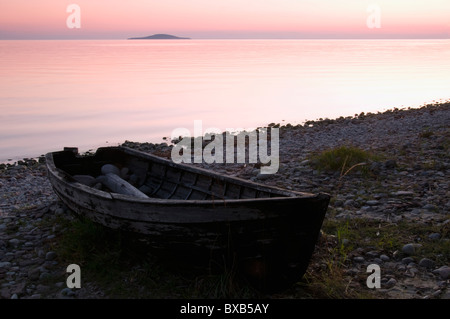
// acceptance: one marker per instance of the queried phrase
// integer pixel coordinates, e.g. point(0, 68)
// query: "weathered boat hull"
point(270, 238)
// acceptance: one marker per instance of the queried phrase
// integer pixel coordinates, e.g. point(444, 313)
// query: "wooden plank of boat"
point(197, 213)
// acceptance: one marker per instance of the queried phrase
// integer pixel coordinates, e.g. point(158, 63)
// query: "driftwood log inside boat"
point(118, 185)
point(266, 233)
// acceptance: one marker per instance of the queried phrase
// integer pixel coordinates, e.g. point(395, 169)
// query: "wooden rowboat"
point(268, 234)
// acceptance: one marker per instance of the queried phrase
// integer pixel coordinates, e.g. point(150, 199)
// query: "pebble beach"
point(409, 181)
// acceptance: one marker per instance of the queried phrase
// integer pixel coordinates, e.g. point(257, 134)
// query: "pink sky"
point(224, 18)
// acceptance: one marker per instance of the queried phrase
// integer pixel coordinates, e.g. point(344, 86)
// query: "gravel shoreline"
point(411, 184)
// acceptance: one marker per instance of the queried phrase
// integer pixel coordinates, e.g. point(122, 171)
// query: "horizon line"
point(244, 38)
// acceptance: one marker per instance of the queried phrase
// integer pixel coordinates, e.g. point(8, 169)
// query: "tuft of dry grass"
point(343, 159)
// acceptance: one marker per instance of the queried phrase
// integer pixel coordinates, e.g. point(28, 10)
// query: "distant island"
point(160, 37)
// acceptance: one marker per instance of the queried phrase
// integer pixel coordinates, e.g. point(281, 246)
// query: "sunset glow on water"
point(89, 93)
point(69, 77)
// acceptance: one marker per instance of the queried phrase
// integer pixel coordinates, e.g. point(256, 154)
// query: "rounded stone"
point(5, 264)
point(51, 255)
point(390, 164)
point(426, 263)
point(67, 292)
point(444, 272)
point(14, 242)
point(434, 236)
point(391, 283)
point(44, 275)
point(358, 259)
point(410, 249)
point(34, 274)
point(407, 260)
point(372, 254)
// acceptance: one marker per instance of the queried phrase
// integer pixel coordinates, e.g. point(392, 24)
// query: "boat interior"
point(161, 178)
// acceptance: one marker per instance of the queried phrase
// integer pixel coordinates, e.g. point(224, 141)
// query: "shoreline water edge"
point(407, 180)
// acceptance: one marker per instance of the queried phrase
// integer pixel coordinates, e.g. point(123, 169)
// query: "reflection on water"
point(87, 93)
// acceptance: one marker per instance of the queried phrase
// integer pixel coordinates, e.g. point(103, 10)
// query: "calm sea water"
point(91, 93)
